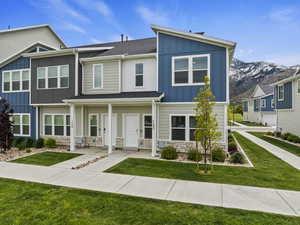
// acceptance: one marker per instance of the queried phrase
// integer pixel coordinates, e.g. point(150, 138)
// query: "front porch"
point(113, 124)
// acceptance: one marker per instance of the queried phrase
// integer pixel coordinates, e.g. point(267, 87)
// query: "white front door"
point(105, 128)
point(131, 129)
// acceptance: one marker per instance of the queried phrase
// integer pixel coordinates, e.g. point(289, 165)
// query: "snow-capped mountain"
point(245, 75)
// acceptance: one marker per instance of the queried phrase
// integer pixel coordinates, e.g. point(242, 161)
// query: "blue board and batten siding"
point(287, 102)
point(19, 101)
point(268, 107)
point(176, 46)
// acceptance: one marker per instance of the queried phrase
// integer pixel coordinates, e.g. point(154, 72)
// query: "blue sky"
point(266, 30)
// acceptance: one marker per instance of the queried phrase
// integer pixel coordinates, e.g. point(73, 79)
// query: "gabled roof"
point(296, 75)
point(267, 88)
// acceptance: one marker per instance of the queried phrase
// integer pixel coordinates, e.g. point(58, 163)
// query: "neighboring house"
point(130, 94)
point(260, 107)
point(15, 71)
point(287, 100)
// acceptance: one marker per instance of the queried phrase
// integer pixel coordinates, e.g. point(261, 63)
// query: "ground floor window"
point(57, 124)
point(147, 126)
point(183, 127)
point(93, 125)
point(21, 124)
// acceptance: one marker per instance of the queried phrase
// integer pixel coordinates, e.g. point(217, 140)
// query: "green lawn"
point(46, 158)
point(232, 124)
point(26, 203)
point(281, 144)
point(236, 117)
point(269, 171)
point(251, 124)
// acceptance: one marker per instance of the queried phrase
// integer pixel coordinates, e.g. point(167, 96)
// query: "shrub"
point(21, 146)
point(293, 138)
point(50, 143)
point(169, 152)
point(269, 133)
point(17, 141)
point(237, 157)
point(218, 155)
point(39, 143)
point(29, 142)
point(285, 136)
point(232, 147)
point(194, 155)
point(28, 150)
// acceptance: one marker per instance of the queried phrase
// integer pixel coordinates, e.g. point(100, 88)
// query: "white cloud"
point(103, 9)
point(151, 16)
point(283, 15)
point(95, 40)
point(240, 53)
point(284, 59)
point(73, 27)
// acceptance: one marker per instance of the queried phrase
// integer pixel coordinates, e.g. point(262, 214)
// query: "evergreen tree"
point(6, 134)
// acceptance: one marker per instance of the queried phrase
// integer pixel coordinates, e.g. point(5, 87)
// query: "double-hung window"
point(263, 103)
point(273, 103)
point(93, 125)
point(139, 75)
point(147, 126)
point(190, 70)
point(98, 76)
point(53, 77)
point(15, 80)
point(183, 128)
point(57, 125)
point(21, 124)
point(280, 92)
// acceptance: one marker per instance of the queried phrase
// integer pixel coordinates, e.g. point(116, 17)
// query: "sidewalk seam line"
point(285, 200)
point(125, 184)
point(171, 188)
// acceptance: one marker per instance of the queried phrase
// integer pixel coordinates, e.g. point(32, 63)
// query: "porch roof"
point(141, 96)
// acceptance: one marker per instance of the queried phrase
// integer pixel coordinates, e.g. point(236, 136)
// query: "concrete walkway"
point(212, 194)
point(286, 156)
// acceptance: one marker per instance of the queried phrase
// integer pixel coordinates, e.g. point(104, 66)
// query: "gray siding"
point(44, 96)
point(111, 78)
point(165, 110)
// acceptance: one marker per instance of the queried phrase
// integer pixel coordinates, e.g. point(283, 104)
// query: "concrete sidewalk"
point(286, 156)
point(221, 195)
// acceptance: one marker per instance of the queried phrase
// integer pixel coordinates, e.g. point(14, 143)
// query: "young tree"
point(206, 123)
point(6, 134)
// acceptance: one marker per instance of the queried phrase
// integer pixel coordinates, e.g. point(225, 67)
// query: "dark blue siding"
point(268, 107)
point(245, 106)
point(175, 46)
point(287, 103)
point(20, 100)
point(256, 105)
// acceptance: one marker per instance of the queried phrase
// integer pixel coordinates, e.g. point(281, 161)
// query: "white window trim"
point(144, 115)
point(140, 74)
point(102, 75)
point(58, 78)
point(263, 103)
point(280, 99)
point(53, 124)
point(10, 81)
point(97, 116)
point(187, 127)
point(21, 124)
point(190, 69)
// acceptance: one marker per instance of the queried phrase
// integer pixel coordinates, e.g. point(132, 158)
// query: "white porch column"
point(72, 127)
point(154, 129)
point(109, 133)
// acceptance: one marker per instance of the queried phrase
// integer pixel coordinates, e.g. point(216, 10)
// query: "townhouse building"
point(135, 94)
point(260, 106)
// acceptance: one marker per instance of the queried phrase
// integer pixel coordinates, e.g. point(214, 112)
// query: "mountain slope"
point(244, 76)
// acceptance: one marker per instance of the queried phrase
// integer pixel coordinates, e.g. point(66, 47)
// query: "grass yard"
point(281, 144)
point(26, 203)
point(232, 124)
point(251, 124)
point(269, 171)
point(46, 158)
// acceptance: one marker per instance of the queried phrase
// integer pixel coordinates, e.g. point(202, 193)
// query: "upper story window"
point(280, 93)
point(15, 80)
point(263, 103)
point(53, 77)
point(139, 75)
point(190, 70)
point(98, 76)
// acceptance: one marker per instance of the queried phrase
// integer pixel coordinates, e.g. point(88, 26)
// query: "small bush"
point(169, 152)
point(285, 136)
point(218, 155)
point(29, 142)
point(39, 143)
point(28, 150)
point(237, 157)
point(17, 141)
point(293, 138)
point(269, 133)
point(194, 155)
point(232, 147)
point(21, 146)
point(50, 143)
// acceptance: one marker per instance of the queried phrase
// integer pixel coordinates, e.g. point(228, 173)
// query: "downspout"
point(76, 71)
